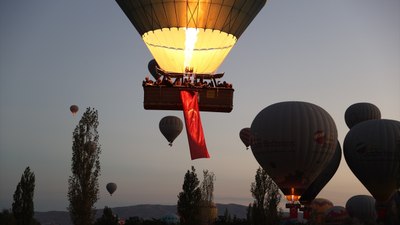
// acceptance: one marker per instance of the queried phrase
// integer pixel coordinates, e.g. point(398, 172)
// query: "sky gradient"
point(57, 53)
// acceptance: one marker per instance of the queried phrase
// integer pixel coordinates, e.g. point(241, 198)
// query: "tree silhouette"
point(189, 199)
point(264, 210)
point(83, 184)
point(22, 206)
point(107, 218)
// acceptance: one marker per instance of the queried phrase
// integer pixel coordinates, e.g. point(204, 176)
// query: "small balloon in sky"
point(171, 127)
point(111, 187)
point(245, 136)
point(74, 109)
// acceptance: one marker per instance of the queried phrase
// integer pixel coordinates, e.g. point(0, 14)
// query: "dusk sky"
point(55, 53)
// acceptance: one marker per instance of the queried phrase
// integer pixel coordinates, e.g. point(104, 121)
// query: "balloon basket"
point(211, 99)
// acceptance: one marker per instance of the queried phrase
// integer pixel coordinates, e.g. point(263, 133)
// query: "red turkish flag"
point(194, 129)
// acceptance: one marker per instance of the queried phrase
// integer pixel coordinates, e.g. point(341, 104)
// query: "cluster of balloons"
point(296, 143)
point(372, 151)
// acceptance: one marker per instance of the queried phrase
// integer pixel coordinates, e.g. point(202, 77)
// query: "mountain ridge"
point(145, 211)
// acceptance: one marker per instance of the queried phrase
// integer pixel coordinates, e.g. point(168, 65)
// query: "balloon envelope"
point(245, 136)
point(324, 177)
point(152, 67)
point(111, 187)
point(336, 215)
point(362, 207)
point(171, 127)
point(190, 34)
point(318, 208)
point(360, 112)
point(372, 151)
point(293, 141)
point(74, 109)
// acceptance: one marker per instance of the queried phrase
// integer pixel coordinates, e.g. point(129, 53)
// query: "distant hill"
point(147, 211)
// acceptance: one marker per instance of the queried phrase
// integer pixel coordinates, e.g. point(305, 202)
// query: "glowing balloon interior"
point(190, 35)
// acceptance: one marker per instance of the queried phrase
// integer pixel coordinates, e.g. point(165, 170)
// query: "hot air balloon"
point(171, 127)
point(190, 38)
point(245, 136)
point(336, 215)
point(318, 208)
point(293, 141)
point(74, 109)
point(323, 178)
point(152, 67)
point(372, 151)
point(360, 112)
point(111, 187)
point(362, 207)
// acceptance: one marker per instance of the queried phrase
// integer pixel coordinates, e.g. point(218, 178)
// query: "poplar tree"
point(83, 190)
point(22, 206)
point(189, 199)
point(264, 210)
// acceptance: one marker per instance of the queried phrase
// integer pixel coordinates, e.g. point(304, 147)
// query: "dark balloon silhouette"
point(372, 152)
point(152, 67)
point(111, 188)
point(74, 109)
point(171, 127)
point(360, 112)
point(323, 178)
point(362, 207)
point(245, 136)
point(293, 142)
point(336, 215)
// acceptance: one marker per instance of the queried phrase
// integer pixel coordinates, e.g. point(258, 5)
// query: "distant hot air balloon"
point(336, 215)
point(372, 151)
point(362, 207)
point(74, 109)
point(323, 178)
point(190, 34)
point(171, 127)
point(318, 208)
point(152, 67)
point(360, 112)
point(293, 141)
point(245, 136)
point(111, 187)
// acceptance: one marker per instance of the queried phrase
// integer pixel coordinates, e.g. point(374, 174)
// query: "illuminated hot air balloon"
point(323, 178)
point(245, 136)
point(362, 207)
point(171, 127)
point(360, 112)
point(74, 109)
point(111, 188)
point(190, 33)
point(372, 151)
point(190, 38)
point(293, 142)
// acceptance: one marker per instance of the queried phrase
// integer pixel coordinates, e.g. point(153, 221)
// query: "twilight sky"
point(55, 53)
